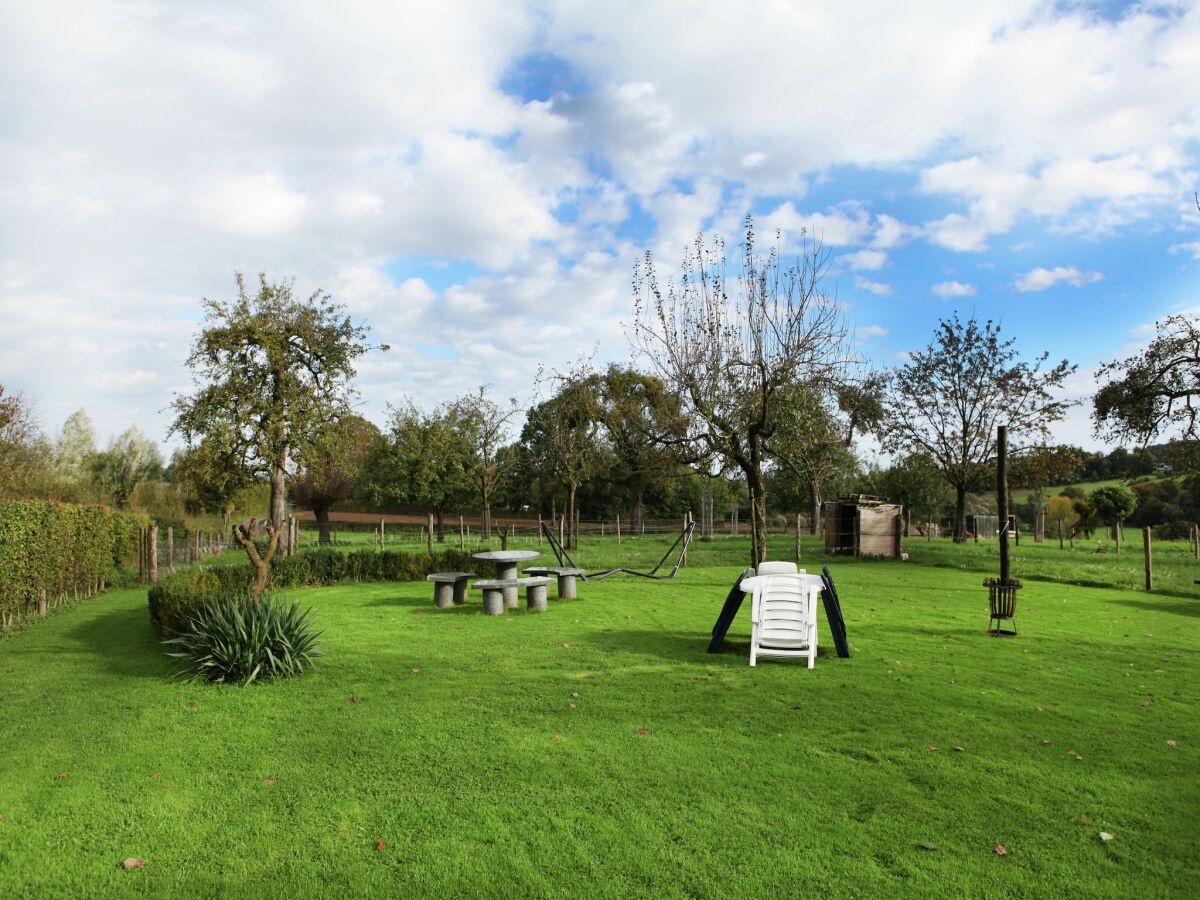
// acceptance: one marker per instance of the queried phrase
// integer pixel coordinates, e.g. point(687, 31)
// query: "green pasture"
point(597, 750)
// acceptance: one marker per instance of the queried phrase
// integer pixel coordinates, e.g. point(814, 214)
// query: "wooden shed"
point(862, 525)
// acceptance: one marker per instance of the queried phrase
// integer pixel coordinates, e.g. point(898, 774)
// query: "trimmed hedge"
point(62, 549)
point(174, 596)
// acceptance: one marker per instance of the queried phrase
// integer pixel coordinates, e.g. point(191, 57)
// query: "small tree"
point(273, 374)
point(1061, 514)
point(729, 358)
point(485, 424)
point(1113, 503)
point(426, 460)
point(947, 400)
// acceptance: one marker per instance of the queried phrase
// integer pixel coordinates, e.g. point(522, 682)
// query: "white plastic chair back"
point(776, 568)
point(783, 616)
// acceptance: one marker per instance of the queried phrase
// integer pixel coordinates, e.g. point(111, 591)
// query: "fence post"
point(1196, 540)
point(797, 537)
point(1149, 568)
point(42, 604)
point(429, 535)
point(153, 554)
point(618, 528)
point(539, 529)
point(462, 538)
point(1117, 538)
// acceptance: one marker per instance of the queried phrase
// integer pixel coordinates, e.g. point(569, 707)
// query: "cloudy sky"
point(475, 180)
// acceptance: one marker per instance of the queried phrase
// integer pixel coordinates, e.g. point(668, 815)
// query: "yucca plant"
point(228, 639)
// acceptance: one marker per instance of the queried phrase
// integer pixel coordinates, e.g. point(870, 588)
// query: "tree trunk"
point(814, 492)
point(322, 515)
point(441, 525)
point(960, 514)
point(261, 562)
point(572, 525)
point(758, 517)
point(278, 492)
point(635, 520)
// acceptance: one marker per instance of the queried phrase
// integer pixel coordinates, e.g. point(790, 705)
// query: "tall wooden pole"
point(170, 549)
point(1149, 568)
point(1002, 497)
point(462, 537)
point(152, 554)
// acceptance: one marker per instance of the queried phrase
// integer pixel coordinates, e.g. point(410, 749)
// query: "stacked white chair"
point(783, 613)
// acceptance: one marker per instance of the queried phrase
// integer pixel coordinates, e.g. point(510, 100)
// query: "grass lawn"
point(598, 750)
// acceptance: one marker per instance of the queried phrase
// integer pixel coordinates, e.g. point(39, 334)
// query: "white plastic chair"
point(783, 616)
point(777, 567)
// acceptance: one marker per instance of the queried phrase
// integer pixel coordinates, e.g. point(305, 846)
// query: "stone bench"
point(449, 587)
point(565, 575)
point(501, 593)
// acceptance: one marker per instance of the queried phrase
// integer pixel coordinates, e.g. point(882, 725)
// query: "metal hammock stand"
point(685, 535)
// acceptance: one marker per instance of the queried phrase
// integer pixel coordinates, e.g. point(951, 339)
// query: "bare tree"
point(730, 357)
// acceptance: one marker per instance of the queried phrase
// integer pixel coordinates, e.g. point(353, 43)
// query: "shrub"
point(228, 639)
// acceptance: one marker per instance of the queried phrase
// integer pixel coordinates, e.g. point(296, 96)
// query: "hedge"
point(175, 595)
point(62, 549)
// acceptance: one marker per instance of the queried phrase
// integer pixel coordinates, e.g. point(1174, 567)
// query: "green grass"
point(744, 782)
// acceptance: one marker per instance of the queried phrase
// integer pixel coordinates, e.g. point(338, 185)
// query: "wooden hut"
point(862, 525)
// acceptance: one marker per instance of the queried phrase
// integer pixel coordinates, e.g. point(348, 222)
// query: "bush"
point(227, 639)
point(175, 596)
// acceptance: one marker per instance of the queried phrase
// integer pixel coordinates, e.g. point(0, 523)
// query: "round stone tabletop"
point(506, 556)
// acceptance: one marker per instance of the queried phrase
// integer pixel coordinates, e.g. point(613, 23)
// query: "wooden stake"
point(797, 537)
point(539, 529)
point(462, 538)
point(429, 535)
point(153, 554)
point(382, 535)
point(618, 528)
point(170, 550)
point(1149, 566)
point(1117, 538)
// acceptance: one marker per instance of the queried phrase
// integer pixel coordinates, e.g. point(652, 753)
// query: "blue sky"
point(476, 181)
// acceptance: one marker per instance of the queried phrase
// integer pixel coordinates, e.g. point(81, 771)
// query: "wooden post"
point(382, 535)
point(1002, 498)
point(1196, 540)
point(618, 528)
point(504, 536)
point(462, 538)
point(42, 604)
point(562, 529)
point(1117, 538)
point(429, 535)
point(683, 558)
point(539, 529)
point(142, 555)
point(152, 554)
point(170, 550)
point(1149, 567)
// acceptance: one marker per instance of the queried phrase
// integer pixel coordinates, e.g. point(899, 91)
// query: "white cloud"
point(946, 289)
point(1193, 248)
point(870, 331)
point(866, 260)
point(875, 287)
point(1041, 279)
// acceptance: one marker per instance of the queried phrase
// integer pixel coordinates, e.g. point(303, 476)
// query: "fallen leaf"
point(568, 646)
point(1001, 850)
point(931, 748)
point(557, 739)
point(9, 669)
point(1170, 743)
point(62, 775)
point(415, 669)
point(928, 845)
point(698, 677)
point(1045, 741)
point(418, 612)
point(268, 781)
point(575, 695)
point(132, 862)
point(1039, 709)
point(958, 749)
point(1082, 820)
point(153, 774)
point(379, 845)
point(643, 731)
point(1072, 753)
point(572, 706)
point(354, 698)
point(191, 704)
point(1105, 836)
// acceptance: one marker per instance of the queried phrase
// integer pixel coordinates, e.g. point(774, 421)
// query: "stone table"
point(506, 562)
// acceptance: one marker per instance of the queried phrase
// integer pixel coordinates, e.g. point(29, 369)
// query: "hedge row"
point(174, 596)
point(61, 549)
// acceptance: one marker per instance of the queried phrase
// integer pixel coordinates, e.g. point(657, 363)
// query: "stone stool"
point(566, 578)
point(493, 596)
point(449, 588)
point(535, 593)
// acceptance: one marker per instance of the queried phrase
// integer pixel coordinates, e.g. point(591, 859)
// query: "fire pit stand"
point(1002, 605)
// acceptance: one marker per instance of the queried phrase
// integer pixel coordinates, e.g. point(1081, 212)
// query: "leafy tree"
point(19, 438)
point(426, 460)
point(812, 443)
point(1061, 514)
point(485, 423)
point(562, 435)
point(645, 428)
point(129, 460)
point(730, 357)
point(335, 466)
point(915, 482)
point(273, 373)
point(75, 447)
point(1043, 467)
point(1081, 501)
point(947, 400)
point(1113, 503)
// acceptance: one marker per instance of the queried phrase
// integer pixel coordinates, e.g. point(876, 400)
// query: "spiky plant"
point(228, 639)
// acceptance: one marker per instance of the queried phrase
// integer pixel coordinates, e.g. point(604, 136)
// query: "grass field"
point(597, 750)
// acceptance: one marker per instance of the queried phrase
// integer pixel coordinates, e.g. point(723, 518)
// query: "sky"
point(476, 180)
